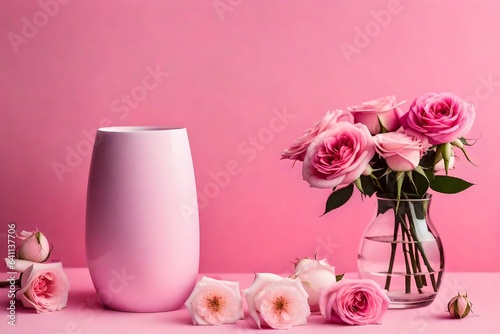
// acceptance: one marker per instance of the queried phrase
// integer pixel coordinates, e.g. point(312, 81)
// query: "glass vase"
point(402, 252)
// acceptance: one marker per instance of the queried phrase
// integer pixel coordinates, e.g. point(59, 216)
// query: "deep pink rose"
point(442, 117)
point(44, 287)
point(382, 110)
point(298, 149)
point(401, 151)
point(338, 156)
point(354, 302)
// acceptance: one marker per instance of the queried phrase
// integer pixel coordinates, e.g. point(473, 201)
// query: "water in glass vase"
point(402, 252)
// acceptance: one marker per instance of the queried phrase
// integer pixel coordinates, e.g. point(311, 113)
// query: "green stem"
point(413, 259)
point(407, 265)
point(420, 248)
point(419, 267)
point(393, 256)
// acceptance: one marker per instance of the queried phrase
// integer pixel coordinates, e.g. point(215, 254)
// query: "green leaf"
point(339, 277)
point(367, 184)
point(339, 198)
point(420, 181)
point(449, 184)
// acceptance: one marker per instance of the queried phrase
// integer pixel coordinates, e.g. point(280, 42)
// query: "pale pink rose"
point(215, 302)
point(35, 247)
point(18, 265)
point(442, 117)
point(401, 151)
point(281, 302)
point(383, 110)
point(338, 156)
point(315, 275)
point(354, 302)
point(298, 149)
point(44, 287)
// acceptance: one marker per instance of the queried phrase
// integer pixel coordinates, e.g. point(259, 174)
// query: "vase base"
point(401, 300)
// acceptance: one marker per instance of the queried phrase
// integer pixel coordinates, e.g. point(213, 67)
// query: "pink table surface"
point(84, 314)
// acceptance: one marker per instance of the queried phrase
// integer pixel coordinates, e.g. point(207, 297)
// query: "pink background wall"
point(233, 66)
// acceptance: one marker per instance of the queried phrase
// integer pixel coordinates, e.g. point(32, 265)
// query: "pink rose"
point(354, 302)
point(298, 149)
point(281, 302)
point(34, 248)
point(44, 287)
point(315, 275)
point(442, 117)
point(338, 156)
point(383, 110)
point(401, 151)
point(215, 302)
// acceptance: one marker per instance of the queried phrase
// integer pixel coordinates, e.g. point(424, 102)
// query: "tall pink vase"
point(142, 228)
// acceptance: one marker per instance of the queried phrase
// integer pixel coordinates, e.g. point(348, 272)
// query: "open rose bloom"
point(279, 302)
point(44, 287)
point(215, 302)
point(443, 117)
point(298, 149)
point(338, 156)
point(354, 302)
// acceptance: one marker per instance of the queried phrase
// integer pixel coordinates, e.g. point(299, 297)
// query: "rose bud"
point(215, 302)
point(314, 275)
point(35, 247)
point(459, 306)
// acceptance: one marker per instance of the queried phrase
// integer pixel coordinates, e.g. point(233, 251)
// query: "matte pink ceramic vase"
point(142, 228)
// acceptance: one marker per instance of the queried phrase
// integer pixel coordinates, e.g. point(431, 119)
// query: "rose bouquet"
point(396, 155)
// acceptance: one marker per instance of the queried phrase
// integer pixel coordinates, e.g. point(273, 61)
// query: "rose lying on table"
point(282, 303)
point(42, 286)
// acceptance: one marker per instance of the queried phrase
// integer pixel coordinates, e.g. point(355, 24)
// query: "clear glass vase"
point(402, 252)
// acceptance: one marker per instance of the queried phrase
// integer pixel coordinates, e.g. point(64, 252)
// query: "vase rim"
point(139, 128)
point(427, 197)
